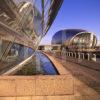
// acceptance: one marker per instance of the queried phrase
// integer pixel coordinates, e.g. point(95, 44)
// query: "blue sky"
point(82, 14)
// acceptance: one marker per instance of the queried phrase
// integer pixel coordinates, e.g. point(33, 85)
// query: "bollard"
point(79, 56)
point(69, 54)
point(94, 57)
point(66, 53)
point(88, 56)
point(75, 55)
point(72, 54)
point(83, 56)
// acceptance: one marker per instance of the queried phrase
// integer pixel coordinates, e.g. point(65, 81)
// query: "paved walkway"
point(86, 81)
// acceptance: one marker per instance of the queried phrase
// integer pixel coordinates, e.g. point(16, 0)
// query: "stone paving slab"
point(7, 87)
point(7, 98)
point(64, 86)
point(25, 87)
point(45, 86)
point(24, 98)
point(39, 97)
point(64, 97)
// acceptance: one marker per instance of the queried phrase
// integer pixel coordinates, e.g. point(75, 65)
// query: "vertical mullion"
point(42, 16)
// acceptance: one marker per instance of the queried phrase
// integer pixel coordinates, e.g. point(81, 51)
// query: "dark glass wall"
point(61, 36)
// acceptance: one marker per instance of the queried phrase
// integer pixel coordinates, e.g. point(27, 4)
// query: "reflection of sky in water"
point(46, 65)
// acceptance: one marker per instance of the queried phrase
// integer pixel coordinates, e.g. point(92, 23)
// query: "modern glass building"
point(75, 39)
point(27, 20)
point(23, 23)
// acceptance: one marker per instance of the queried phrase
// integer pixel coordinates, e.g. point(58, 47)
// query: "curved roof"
point(62, 35)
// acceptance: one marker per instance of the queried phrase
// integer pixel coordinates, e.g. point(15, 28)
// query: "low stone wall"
point(36, 85)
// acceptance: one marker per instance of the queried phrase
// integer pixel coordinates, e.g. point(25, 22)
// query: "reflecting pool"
point(40, 64)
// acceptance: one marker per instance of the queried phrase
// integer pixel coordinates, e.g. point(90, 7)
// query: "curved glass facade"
point(61, 36)
point(75, 39)
point(31, 19)
point(84, 40)
point(23, 23)
point(22, 20)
